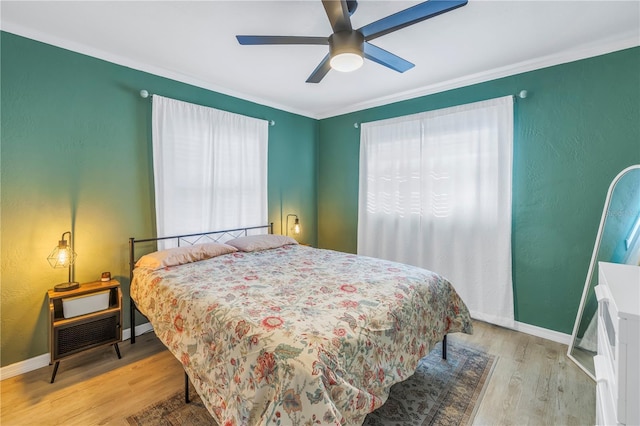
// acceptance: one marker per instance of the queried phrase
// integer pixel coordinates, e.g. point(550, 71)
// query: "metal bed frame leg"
point(132, 321)
point(186, 388)
point(444, 347)
point(132, 305)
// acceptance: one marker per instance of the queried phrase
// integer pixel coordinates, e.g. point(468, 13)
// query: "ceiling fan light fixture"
point(346, 49)
point(346, 62)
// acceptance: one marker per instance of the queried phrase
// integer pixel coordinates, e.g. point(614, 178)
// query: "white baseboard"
point(554, 336)
point(40, 361)
point(24, 366)
point(140, 329)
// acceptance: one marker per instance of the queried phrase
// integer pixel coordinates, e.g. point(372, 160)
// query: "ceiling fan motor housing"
point(346, 42)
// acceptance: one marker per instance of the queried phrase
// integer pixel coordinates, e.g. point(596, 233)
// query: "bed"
point(271, 332)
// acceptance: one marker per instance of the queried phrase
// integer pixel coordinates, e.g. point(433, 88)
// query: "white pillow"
point(181, 255)
point(261, 242)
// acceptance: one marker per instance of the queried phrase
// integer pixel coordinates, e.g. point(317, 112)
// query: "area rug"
point(439, 393)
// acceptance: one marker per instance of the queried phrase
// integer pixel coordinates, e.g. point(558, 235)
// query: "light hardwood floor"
point(533, 383)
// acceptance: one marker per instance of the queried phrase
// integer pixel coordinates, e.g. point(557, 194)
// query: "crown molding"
point(582, 52)
point(83, 49)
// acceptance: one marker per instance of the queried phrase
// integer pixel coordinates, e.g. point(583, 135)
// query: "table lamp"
point(63, 256)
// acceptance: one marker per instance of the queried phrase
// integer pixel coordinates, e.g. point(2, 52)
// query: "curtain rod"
point(145, 94)
point(521, 94)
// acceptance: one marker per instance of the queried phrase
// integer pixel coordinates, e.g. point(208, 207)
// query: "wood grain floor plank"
point(533, 383)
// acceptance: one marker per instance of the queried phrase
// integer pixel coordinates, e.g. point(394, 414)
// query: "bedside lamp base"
point(66, 286)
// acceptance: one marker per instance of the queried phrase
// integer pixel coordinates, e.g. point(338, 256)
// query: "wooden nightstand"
point(79, 332)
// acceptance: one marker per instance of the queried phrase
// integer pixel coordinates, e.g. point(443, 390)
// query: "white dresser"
point(618, 361)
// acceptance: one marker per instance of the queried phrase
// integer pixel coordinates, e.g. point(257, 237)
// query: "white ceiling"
point(193, 41)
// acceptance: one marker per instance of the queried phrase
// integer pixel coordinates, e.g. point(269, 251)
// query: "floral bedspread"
point(297, 335)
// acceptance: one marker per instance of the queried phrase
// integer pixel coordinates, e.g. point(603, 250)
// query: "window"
point(210, 168)
point(435, 192)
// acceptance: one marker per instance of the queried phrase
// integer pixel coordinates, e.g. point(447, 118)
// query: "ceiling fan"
point(349, 47)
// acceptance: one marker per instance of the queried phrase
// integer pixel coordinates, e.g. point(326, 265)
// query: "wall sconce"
point(63, 256)
point(296, 224)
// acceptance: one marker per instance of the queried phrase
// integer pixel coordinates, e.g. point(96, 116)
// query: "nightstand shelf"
point(73, 335)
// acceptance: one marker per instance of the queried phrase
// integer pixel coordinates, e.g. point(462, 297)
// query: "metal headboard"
point(182, 240)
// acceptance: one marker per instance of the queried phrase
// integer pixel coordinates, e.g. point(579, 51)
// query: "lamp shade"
point(63, 255)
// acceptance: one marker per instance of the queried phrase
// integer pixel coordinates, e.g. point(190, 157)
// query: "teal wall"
point(76, 155)
point(578, 128)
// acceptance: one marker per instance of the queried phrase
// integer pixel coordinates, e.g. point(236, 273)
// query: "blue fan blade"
point(386, 58)
point(321, 70)
point(410, 16)
point(252, 40)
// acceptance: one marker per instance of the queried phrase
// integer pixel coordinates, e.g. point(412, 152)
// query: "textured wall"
point(76, 155)
point(577, 129)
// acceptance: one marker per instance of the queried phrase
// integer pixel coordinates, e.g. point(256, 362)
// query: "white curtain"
point(210, 168)
point(435, 192)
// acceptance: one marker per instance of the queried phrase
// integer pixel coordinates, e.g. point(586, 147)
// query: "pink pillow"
point(261, 242)
point(181, 255)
